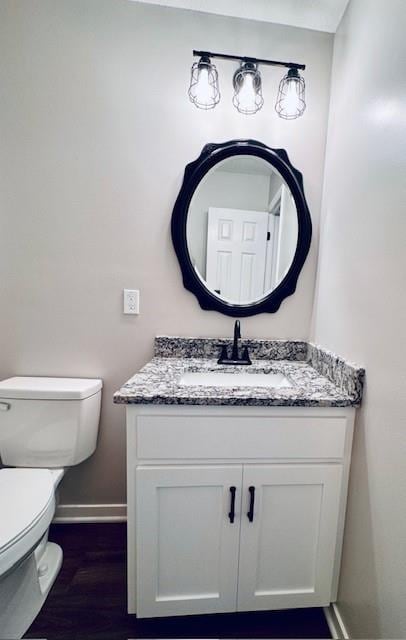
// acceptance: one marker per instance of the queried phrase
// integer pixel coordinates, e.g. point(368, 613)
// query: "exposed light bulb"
point(204, 89)
point(246, 96)
point(290, 103)
point(292, 100)
point(247, 83)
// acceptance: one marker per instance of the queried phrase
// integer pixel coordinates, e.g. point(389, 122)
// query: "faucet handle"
point(245, 356)
point(223, 355)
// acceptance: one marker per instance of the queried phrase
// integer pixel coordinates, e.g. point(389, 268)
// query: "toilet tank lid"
point(39, 388)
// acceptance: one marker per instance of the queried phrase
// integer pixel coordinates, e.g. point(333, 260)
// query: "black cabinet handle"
point(250, 514)
point(231, 515)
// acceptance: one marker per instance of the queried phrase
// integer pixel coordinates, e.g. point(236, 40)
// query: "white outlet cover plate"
point(131, 302)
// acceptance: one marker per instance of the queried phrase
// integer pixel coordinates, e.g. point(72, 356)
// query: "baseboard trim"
point(74, 513)
point(336, 623)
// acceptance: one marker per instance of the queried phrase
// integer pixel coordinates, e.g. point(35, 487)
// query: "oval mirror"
point(241, 228)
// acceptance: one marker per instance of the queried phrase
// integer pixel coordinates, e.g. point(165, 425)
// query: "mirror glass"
point(242, 229)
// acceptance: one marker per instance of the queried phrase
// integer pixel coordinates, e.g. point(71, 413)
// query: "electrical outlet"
point(131, 301)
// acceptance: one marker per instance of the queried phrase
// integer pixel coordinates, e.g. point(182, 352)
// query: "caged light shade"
point(247, 84)
point(204, 89)
point(290, 102)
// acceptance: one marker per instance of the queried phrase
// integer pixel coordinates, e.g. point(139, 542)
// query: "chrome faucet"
point(235, 358)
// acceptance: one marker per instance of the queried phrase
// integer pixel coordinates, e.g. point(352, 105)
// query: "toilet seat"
point(27, 506)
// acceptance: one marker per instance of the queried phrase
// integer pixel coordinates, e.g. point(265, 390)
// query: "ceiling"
point(322, 15)
point(246, 164)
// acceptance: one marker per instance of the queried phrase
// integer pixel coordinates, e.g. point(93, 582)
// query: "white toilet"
point(46, 424)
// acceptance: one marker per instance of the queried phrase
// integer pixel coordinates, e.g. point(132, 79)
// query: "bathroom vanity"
point(237, 494)
point(238, 459)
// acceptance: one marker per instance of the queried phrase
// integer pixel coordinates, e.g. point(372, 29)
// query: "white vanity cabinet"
point(235, 508)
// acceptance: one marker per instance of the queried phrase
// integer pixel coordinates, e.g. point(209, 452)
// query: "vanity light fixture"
point(204, 89)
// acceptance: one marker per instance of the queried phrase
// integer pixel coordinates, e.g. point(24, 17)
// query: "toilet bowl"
point(28, 562)
point(27, 506)
point(45, 424)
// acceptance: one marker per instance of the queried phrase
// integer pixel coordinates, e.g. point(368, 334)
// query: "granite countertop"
point(317, 377)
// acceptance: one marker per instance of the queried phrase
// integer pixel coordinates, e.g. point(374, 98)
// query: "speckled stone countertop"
point(318, 377)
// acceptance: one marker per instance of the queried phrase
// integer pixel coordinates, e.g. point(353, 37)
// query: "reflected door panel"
point(236, 253)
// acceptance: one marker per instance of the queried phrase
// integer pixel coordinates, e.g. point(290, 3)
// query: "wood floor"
point(88, 599)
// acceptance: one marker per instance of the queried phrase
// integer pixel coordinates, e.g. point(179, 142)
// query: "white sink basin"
point(226, 379)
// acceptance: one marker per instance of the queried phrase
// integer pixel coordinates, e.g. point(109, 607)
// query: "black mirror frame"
point(194, 172)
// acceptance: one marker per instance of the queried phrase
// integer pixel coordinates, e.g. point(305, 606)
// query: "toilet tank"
point(48, 422)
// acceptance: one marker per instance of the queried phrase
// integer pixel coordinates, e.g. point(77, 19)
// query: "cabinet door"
point(187, 547)
point(287, 550)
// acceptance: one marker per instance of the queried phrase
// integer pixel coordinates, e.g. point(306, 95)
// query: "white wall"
point(361, 303)
point(95, 131)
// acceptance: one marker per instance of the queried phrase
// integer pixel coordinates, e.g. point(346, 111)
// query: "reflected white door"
point(187, 548)
point(236, 253)
point(287, 551)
